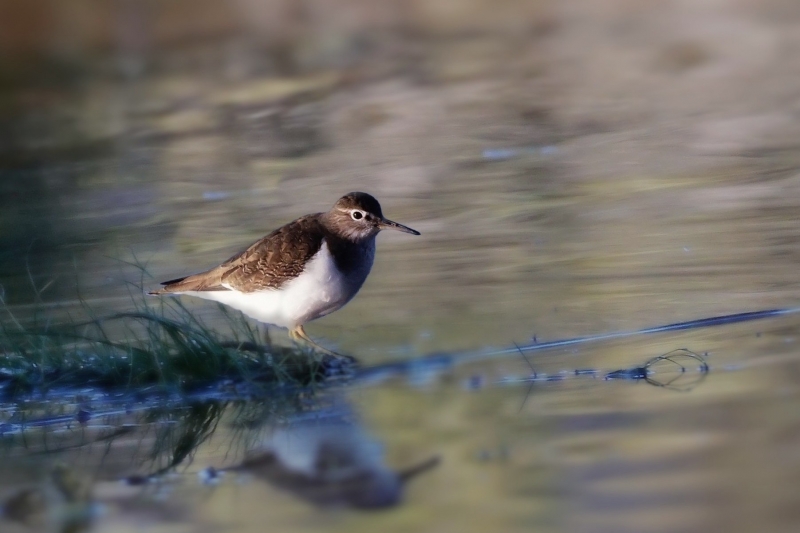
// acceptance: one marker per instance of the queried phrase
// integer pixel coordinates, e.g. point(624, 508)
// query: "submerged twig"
point(530, 387)
point(645, 372)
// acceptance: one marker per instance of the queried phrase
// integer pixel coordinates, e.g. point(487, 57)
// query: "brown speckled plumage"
point(266, 264)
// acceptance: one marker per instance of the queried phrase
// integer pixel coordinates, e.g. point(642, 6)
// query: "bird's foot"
point(331, 362)
point(299, 333)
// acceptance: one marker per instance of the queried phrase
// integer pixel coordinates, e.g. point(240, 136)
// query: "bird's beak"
point(389, 224)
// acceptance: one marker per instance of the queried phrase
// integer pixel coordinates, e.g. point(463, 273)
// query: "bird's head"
point(357, 216)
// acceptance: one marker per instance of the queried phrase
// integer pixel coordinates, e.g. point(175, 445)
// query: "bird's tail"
point(202, 282)
point(171, 286)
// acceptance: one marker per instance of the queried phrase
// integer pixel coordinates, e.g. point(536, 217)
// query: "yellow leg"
point(299, 333)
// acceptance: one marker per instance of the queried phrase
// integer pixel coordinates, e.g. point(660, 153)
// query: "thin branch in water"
point(533, 378)
point(645, 372)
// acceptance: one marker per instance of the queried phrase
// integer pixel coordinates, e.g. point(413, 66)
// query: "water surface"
point(176, 170)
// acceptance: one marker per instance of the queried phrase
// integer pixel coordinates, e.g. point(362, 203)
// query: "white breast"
point(319, 290)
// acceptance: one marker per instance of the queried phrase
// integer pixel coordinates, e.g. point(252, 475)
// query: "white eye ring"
point(357, 215)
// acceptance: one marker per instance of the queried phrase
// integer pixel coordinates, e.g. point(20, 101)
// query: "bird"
point(300, 272)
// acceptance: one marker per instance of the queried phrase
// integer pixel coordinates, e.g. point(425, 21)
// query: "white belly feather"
point(319, 290)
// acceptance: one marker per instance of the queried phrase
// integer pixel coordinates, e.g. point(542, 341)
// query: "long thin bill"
point(389, 224)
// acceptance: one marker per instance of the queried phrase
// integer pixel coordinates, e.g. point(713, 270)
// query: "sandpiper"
point(301, 271)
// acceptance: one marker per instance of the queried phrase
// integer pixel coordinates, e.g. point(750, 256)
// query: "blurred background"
point(553, 154)
point(574, 166)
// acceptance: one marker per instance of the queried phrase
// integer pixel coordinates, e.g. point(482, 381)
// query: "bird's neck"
point(351, 256)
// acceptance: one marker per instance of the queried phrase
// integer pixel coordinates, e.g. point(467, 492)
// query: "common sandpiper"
point(302, 271)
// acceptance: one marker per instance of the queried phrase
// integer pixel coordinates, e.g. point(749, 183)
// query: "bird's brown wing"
point(266, 264)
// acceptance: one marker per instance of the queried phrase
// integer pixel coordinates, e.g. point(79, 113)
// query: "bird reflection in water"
point(328, 459)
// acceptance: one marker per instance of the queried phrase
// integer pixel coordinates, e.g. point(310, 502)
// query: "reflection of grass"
point(159, 342)
point(138, 448)
point(175, 443)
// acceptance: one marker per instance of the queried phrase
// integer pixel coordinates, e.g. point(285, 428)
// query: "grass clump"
point(159, 344)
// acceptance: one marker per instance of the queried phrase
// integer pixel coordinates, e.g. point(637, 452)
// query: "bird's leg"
point(334, 363)
point(299, 333)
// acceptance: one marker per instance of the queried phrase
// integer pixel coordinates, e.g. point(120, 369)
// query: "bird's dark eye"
point(357, 215)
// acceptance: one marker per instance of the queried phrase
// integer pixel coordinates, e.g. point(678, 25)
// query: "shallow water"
point(577, 453)
point(174, 171)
